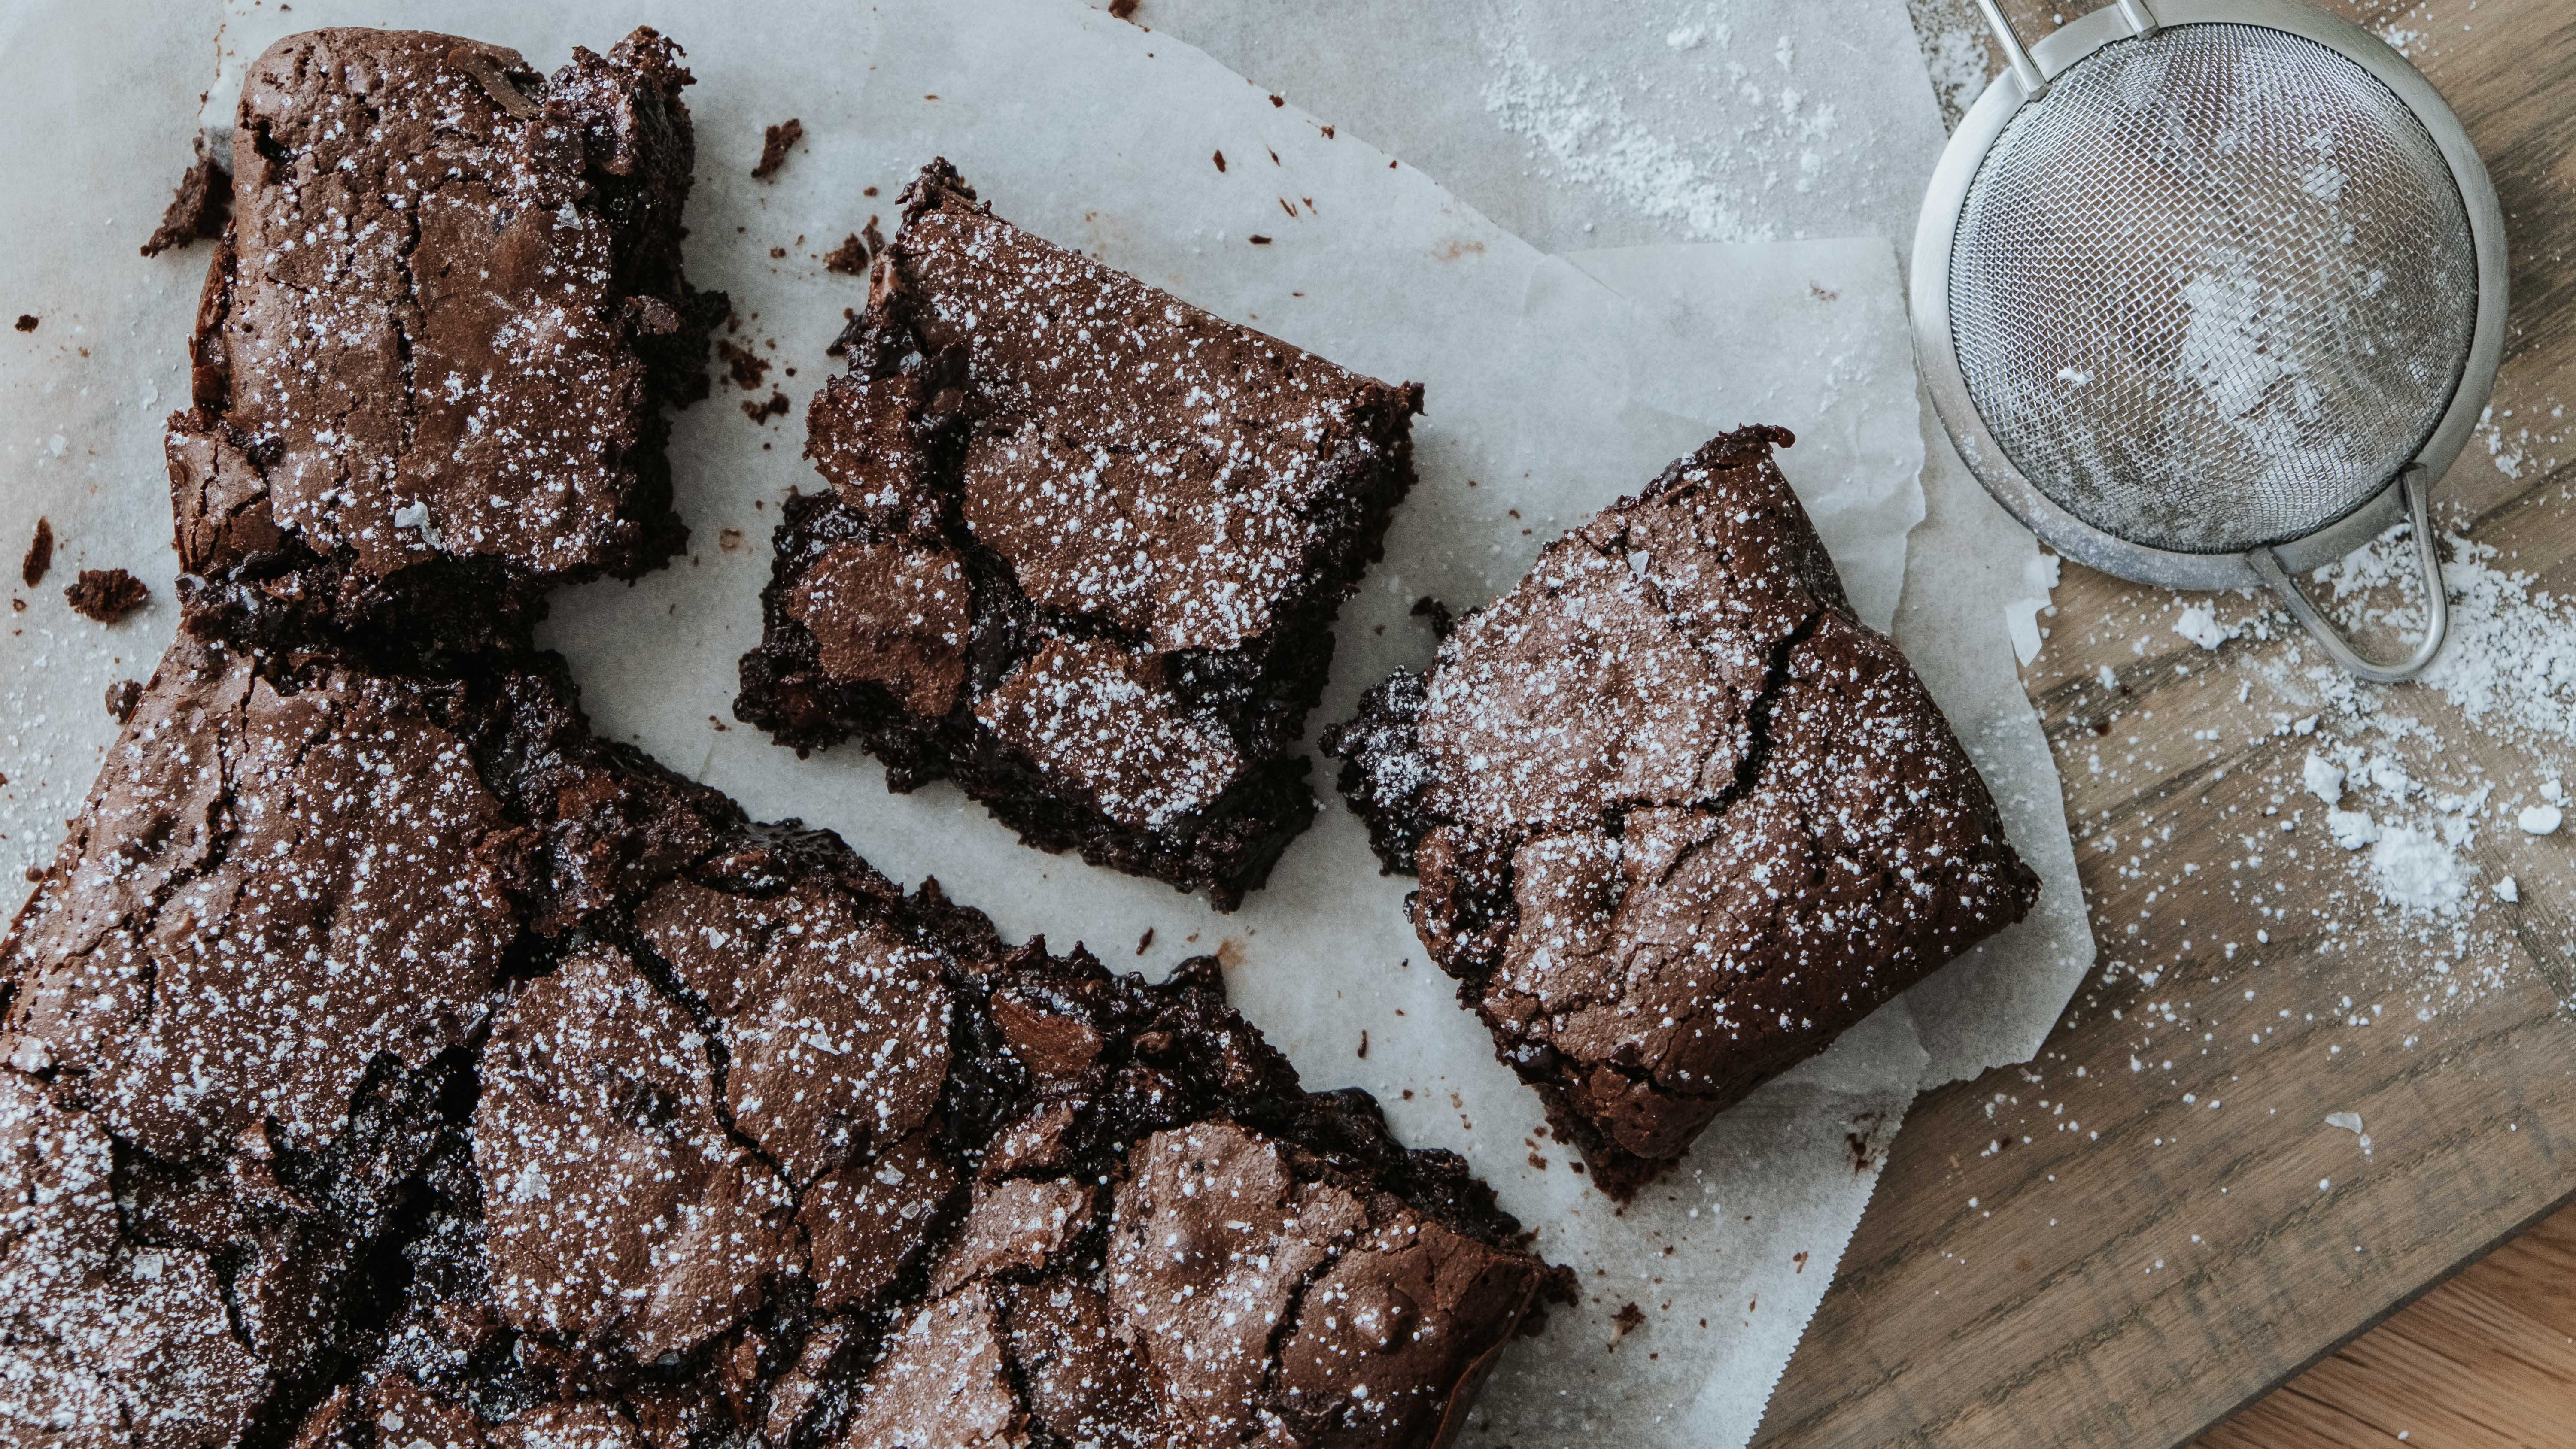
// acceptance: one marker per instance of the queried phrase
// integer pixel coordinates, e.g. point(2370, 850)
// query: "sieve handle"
point(2033, 79)
point(2416, 490)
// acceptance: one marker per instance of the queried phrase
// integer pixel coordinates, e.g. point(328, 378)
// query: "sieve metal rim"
point(1936, 352)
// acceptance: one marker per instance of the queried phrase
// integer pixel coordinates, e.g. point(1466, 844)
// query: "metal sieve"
point(2209, 294)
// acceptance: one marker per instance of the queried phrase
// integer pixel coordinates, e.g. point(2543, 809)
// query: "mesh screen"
point(2213, 289)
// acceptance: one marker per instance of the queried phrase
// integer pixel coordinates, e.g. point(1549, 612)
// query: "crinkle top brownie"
point(1679, 817)
point(382, 1043)
point(1083, 549)
point(435, 342)
point(253, 980)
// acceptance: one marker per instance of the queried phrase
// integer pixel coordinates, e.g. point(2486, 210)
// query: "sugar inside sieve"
point(2209, 293)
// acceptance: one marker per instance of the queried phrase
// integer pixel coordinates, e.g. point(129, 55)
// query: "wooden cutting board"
point(2079, 1252)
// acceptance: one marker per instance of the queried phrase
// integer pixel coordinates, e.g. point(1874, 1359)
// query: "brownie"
point(852, 1171)
point(1082, 550)
point(383, 1048)
point(1678, 816)
point(256, 976)
point(437, 339)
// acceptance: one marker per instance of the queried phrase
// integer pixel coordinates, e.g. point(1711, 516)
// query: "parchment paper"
point(1548, 389)
point(1599, 123)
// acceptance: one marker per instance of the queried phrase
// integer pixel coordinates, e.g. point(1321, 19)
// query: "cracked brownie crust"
point(1679, 818)
point(1082, 551)
point(384, 1049)
point(435, 343)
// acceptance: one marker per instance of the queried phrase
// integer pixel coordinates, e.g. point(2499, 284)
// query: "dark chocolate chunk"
point(122, 697)
point(1679, 818)
point(1089, 573)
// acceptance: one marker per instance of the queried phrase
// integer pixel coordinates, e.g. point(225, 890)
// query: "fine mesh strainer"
point(2209, 293)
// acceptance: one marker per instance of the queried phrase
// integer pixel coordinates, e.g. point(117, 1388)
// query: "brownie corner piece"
point(435, 344)
point(1088, 571)
point(1679, 818)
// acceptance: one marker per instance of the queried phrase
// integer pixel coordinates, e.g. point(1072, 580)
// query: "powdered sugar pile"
point(2387, 813)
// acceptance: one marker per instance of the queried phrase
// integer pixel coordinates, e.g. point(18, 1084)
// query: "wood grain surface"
point(2153, 1224)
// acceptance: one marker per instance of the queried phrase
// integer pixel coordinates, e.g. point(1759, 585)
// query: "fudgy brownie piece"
point(254, 980)
point(1082, 551)
point(436, 341)
point(384, 1047)
point(1679, 817)
point(804, 1158)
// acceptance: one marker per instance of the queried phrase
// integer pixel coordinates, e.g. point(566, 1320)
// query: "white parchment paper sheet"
point(1549, 390)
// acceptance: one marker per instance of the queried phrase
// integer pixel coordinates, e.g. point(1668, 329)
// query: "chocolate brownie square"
point(436, 342)
point(1082, 552)
point(1679, 817)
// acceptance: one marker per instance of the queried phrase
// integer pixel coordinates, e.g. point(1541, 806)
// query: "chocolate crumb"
point(1122, 9)
point(40, 554)
point(1145, 942)
point(1220, 162)
point(26, 321)
point(199, 207)
point(122, 697)
point(1259, 240)
point(1363, 1043)
point(106, 595)
point(773, 147)
point(1442, 621)
point(869, 191)
point(850, 258)
point(747, 368)
point(1277, 101)
point(761, 412)
point(1630, 1318)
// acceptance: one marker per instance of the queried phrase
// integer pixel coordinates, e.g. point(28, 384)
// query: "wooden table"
point(2203, 1235)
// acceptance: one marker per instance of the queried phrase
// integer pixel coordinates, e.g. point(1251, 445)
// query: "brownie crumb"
point(26, 321)
point(199, 207)
point(1363, 1043)
point(1630, 1318)
point(850, 258)
point(122, 697)
point(1122, 9)
point(1145, 942)
point(747, 368)
point(106, 595)
point(773, 147)
point(1259, 240)
point(40, 554)
point(761, 412)
point(1442, 621)
point(1220, 163)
